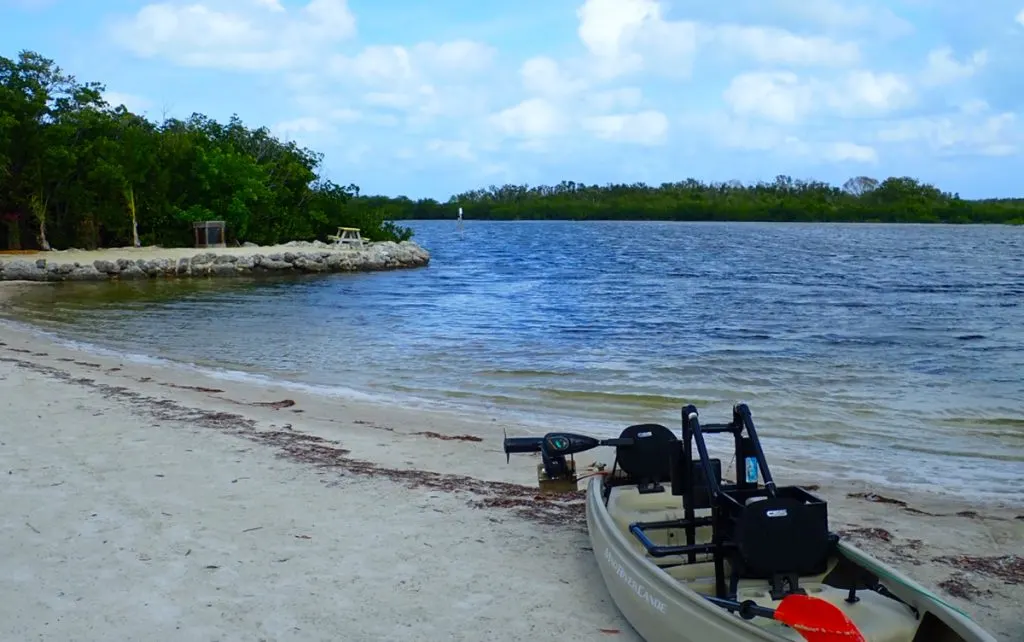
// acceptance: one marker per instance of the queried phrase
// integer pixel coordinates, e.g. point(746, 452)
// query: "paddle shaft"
point(748, 610)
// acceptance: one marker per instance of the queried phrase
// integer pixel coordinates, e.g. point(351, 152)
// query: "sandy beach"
point(153, 503)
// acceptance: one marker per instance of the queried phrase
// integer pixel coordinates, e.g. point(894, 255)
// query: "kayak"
point(687, 556)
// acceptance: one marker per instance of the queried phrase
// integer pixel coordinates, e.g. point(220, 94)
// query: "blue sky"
point(431, 98)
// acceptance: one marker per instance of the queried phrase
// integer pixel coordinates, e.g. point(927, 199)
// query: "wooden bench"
point(347, 236)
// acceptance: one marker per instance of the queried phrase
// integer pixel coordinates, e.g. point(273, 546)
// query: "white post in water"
point(460, 221)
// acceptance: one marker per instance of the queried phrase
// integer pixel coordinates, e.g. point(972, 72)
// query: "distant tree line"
point(860, 199)
point(78, 172)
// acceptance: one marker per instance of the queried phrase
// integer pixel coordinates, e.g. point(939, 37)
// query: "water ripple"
point(897, 350)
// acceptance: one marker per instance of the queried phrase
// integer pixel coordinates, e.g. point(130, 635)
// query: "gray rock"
point(156, 267)
point(271, 264)
point(107, 267)
point(310, 264)
point(310, 257)
point(22, 270)
point(86, 273)
point(223, 269)
point(131, 271)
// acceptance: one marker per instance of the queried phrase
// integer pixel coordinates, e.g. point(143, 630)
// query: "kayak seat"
point(645, 461)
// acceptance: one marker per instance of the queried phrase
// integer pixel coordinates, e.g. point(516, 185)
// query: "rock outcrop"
point(297, 257)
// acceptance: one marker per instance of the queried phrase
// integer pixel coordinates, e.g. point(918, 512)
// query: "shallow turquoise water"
point(882, 351)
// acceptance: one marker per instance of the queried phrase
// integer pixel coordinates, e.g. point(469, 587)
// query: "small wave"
point(1012, 423)
point(959, 454)
point(522, 373)
point(644, 400)
point(480, 398)
point(222, 374)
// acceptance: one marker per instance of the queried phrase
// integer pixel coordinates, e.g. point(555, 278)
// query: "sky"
point(427, 99)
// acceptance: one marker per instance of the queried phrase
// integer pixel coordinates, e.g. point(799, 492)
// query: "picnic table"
point(349, 236)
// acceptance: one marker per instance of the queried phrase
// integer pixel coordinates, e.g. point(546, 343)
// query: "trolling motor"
point(555, 474)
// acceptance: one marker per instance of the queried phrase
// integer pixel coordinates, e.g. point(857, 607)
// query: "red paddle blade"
point(817, 620)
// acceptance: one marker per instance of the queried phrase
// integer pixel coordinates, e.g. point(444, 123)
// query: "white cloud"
point(850, 152)
point(625, 36)
point(543, 76)
point(455, 57)
point(1020, 18)
point(778, 46)
point(868, 93)
point(733, 132)
point(379, 64)
point(784, 97)
point(844, 16)
point(346, 115)
point(457, 149)
point(198, 35)
point(943, 69)
point(273, 5)
point(27, 4)
point(133, 103)
point(390, 64)
point(728, 131)
point(426, 81)
point(613, 99)
point(809, 91)
point(973, 129)
point(775, 96)
point(642, 128)
point(306, 130)
point(304, 125)
point(533, 118)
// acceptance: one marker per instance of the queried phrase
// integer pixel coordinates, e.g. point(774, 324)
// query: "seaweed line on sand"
point(1008, 568)
point(524, 501)
point(435, 435)
point(958, 585)
point(899, 503)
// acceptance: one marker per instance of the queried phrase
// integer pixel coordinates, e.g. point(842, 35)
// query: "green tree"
point(75, 171)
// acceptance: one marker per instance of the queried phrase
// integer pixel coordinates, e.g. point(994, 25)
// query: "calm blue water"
point(883, 351)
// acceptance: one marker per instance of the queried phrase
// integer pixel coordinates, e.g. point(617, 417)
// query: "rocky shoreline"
point(297, 257)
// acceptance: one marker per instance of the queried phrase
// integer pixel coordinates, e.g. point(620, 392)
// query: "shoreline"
point(296, 257)
point(457, 461)
point(820, 462)
point(717, 221)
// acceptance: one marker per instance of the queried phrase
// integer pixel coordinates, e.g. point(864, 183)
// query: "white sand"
point(131, 511)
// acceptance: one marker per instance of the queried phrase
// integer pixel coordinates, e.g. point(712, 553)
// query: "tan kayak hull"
point(662, 607)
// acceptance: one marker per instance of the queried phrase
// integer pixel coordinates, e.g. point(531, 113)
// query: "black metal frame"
point(700, 485)
point(780, 537)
